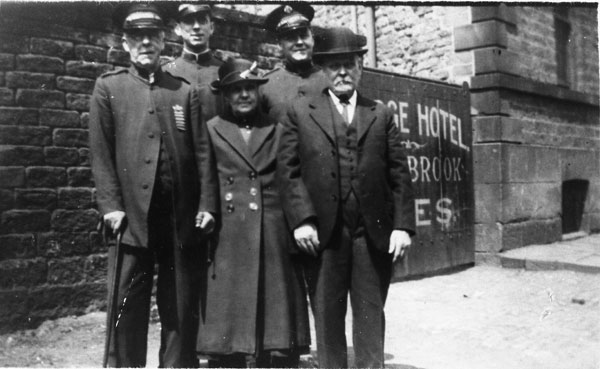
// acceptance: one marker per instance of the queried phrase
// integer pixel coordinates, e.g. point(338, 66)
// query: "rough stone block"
point(21, 155)
point(61, 156)
point(95, 268)
point(80, 102)
point(22, 273)
point(40, 98)
point(109, 40)
point(497, 129)
point(12, 177)
point(75, 198)
point(75, 84)
point(488, 237)
point(542, 231)
point(66, 271)
point(13, 311)
point(7, 61)
point(478, 35)
point(39, 63)
point(25, 221)
point(545, 166)
point(7, 97)
point(487, 102)
point(84, 157)
point(18, 116)
point(13, 43)
point(59, 118)
point(7, 200)
point(38, 198)
point(578, 164)
point(499, 12)
point(26, 135)
point(97, 243)
point(118, 57)
point(59, 244)
point(44, 46)
point(42, 81)
point(85, 120)
point(530, 200)
point(91, 53)
point(87, 69)
point(495, 60)
point(488, 202)
point(17, 246)
point(70, 137)
point(518, 163)
point(46, 177)
point(512, 236)
point(74, 220)
point(80, 177)
point(487, 166)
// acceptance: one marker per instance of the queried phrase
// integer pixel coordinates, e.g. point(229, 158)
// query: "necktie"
point(345, 104)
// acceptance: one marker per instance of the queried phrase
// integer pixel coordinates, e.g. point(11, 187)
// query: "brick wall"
point(52, 260)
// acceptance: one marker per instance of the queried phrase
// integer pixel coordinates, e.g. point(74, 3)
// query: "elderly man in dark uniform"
point(290, 23)
point(146, 148)
point(197, 63)
point(347, 195)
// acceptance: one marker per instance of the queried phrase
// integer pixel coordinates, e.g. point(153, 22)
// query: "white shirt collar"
point(340, 107)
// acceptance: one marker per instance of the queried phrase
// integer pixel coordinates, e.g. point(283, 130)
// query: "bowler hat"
point(237, 70)
point(186, 9)
point(339, 40)
point(139, 16)
point(289, 17)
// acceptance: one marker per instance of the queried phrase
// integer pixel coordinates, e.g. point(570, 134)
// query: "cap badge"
point(288, 9)
point(249, 71)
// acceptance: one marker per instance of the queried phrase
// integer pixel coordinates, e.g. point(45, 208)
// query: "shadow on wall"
point(574, 194)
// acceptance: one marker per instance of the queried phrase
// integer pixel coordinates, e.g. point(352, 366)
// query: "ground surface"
point(480, 318)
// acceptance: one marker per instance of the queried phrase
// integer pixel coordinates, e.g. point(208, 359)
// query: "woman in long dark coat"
point(254, 310)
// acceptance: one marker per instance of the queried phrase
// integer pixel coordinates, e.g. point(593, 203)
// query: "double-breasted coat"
point(128, 119)
point(254, 299)
point(309, 170)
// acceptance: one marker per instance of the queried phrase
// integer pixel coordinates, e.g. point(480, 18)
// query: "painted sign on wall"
point(435, 127)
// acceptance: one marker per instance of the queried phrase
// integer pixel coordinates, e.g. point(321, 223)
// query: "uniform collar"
point(144, 75)
point(196, 58)
point(301, 69)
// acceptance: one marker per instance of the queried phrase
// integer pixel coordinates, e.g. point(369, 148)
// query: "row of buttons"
point(252, 175)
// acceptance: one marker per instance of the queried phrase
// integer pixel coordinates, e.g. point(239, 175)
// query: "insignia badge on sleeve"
point(179, 117)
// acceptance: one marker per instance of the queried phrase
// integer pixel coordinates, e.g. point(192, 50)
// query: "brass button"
point(229, 180)
point(230, 208)
point(228, 196)
point(253, 206)
point(253, 191)
point(252, 175)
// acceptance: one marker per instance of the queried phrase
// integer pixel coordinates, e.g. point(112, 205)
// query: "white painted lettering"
point(420, 216)
point(403, 114)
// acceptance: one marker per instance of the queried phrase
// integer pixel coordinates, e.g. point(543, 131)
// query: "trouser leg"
point(129, 341)
point(327, 278)
point(371, 273)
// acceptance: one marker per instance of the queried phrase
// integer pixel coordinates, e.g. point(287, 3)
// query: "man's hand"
point(307, 238)
point(205, 221)
point(114, 220)
point(399, 243)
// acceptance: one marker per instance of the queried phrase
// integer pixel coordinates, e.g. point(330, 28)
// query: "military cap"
point(186, 9)
point(237, 70)
point(289, 17)
point(339, 40)
point(139, 16)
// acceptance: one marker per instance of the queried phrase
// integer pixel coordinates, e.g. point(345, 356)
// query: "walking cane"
point(112, 292)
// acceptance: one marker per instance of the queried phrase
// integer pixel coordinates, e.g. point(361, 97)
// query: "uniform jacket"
point(251, 250)
point(128, 118)
point(285, 85)
point(309, 169)
point(200, 72)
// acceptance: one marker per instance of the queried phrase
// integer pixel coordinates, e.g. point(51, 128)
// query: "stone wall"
point(52, 260)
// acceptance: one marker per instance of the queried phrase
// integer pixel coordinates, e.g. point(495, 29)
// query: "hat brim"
point(321, 54)
point(218, 86)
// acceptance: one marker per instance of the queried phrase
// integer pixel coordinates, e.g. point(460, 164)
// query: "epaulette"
point(176, 76)
point(115, 71)
point(164, 60)
point(271, 71)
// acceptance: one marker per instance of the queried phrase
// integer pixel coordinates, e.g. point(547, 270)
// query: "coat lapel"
point(230, 133)
point(364, 116)
point(320, 112)
point(259, 135)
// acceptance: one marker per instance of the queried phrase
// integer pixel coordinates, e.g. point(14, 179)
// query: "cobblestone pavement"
point(480, 318)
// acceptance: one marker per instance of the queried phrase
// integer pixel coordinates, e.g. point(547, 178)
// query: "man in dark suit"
point(146, 145)
point(347, 196)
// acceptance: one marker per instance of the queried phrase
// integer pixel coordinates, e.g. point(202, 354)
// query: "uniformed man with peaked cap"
point(197, 63)
point(297, 75)
point(146, 146)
